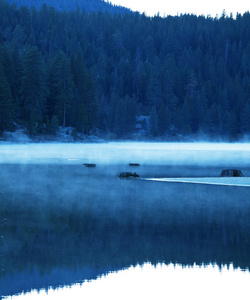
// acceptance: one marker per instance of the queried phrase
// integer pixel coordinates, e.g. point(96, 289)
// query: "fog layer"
point(116, 153)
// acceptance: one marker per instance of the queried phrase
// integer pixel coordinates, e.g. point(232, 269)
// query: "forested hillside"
point(120, 73)
point(87, 5)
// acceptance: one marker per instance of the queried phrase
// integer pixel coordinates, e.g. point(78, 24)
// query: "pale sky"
point(174, 7)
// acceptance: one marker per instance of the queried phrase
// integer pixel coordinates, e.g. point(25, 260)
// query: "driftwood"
point(231, 173)
point(90, 165)
point(134, 165)
point(128, 175)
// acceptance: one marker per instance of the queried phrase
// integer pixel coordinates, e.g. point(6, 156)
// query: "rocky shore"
point(63, 135)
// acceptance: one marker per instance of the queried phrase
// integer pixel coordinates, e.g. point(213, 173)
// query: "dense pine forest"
point(108, 71)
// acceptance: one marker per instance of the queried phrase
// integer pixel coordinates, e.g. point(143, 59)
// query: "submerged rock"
point(3, 221)
point(128, 175)
point(134, 165)
point(90, 165)
point(231, 173)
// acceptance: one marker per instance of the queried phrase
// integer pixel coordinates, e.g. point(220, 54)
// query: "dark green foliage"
point(97, 70)
point(64, 85)
point(163, 120)
point(88, 5)
point(52, 125)
point(245, 119)
point(153, 121)
point(33, 89)
point(6, 103)
point(124, 112)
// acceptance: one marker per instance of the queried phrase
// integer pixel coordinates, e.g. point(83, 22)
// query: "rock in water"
point(127, 175)
point(231, 173)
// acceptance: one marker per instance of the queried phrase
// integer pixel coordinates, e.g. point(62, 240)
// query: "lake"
point(71, 231)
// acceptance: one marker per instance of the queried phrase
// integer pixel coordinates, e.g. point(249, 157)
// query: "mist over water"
point(62, 223)
point(118, 153)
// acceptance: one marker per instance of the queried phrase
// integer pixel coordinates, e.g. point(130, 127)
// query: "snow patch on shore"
point(63, 135)
point(17, 137)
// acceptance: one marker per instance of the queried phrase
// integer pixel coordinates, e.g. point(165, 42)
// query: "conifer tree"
point(6, 104)
point(245, 120)
point(162, 120)
point(153, 121)
point(64, 87)
point(33, 89)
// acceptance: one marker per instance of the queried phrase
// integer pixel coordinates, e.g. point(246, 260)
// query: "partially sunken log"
point(90, 165)
point(231, 173)
point(134, 165)
point(127, 175)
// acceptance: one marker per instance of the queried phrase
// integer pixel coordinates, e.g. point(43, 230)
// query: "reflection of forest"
point(128, 222)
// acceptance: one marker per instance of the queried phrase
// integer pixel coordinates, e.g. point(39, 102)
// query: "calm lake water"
point(70, 230)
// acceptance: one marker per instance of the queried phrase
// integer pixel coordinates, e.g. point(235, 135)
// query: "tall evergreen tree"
point(91, 103)
point(6, 103)
point(245, 120)
point(153, 121)
point(163, 121)
point(185, 120)
point(33, 89)
point(64, 88)
point(154, 92)
point(130, 111)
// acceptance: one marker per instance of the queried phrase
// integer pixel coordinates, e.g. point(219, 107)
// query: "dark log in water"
point(90, 165)
point(127, 175)
point(134, 165)
point(231, 173)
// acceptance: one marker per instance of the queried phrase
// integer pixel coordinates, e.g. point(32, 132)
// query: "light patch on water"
point(231, 181)
point(73, 159)
point(160, 282)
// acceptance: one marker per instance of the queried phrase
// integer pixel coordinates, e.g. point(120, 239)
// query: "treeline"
point(98, 71)
point(87, 5)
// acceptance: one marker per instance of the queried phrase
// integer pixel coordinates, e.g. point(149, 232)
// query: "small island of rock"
point(128, 175)
point(231, 173)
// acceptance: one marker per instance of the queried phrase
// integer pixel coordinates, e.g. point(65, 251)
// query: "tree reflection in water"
point(66, 224)
point(155, 282)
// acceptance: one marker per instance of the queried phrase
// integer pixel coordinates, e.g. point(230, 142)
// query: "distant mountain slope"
point(88, 5)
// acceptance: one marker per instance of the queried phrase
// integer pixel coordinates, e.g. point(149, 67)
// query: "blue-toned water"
point(63, 224)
